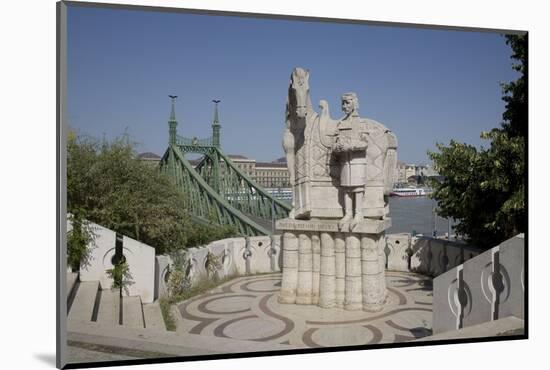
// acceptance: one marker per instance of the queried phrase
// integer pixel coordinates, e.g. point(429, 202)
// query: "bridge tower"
point(216, 126)
point(172, 123)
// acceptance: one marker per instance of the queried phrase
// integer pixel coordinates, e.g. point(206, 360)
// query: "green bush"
point(177, 278)
point(122, 278)
point(165, 308)
point(80, 241)
point(203, 285)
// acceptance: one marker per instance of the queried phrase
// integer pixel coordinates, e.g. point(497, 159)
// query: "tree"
point(484, 190)
point(515, 93)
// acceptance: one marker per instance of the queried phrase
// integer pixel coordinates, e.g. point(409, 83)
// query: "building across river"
point(266, 174)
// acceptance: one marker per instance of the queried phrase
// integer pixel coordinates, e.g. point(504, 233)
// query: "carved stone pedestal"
point(331, 268)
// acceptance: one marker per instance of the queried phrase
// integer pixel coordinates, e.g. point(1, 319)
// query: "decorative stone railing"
point(235, 256)
point(485, 288)
point(261, 254)
point(425, 255)
point(149, 273)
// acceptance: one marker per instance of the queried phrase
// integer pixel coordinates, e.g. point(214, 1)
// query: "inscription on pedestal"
point(368, 226)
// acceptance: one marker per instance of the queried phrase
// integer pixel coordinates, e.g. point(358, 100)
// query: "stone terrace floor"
point(243, 315)
point(247, 309)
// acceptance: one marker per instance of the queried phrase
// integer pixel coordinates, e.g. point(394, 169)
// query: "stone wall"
point(149, 273)
point(261, 254)
point(101, 252)
point(485, 288)
point(141, 262)
point(235, 256)
point(425, 255)
point(140, 258)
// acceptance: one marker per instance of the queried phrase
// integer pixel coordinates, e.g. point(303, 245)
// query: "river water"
point(415, 214)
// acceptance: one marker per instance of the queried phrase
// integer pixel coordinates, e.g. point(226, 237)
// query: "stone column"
point(305, 269)
point(382, 267)
point(330, 268)
point(327, 284)
point(316, 251)
point(353, 273)
point(340, 270)
point(290, 268)
point(370, 273)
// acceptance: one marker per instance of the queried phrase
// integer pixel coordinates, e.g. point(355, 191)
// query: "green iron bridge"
point(215, 190)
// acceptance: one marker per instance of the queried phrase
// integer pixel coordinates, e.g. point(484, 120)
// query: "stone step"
point(109, 307)
point(82, 307)
point(71, 281)
point(132, 314)
point(153, 316)
point(164, 342)
point(510, 325)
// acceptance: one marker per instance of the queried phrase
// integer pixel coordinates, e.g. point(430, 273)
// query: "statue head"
point(350, 103)
point(299, 91)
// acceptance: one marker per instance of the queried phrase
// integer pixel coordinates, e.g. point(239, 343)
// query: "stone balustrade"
point(320, 257)
point(485, 288)
point(234, 256)
point(149, 273)
point(425, 255)
point(263, 254)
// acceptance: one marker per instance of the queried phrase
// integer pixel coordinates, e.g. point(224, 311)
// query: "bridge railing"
point(186, 141)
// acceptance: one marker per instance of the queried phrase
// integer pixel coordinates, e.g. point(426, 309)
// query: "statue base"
point(333, 268)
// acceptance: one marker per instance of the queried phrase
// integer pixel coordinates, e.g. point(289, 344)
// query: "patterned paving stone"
point(347, 335)
point(247, 309)
point(250, 328)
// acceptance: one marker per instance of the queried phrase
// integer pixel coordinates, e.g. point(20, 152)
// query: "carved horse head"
point(298, 93)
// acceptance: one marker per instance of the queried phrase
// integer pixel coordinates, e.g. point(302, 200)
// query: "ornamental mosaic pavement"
point(246, 308)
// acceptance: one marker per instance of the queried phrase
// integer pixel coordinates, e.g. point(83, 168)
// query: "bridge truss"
point(215, 190)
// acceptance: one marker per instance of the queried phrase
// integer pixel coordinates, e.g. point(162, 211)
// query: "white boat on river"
point(410, 192)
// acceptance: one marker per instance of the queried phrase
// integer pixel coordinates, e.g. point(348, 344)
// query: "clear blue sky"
point(427, 86)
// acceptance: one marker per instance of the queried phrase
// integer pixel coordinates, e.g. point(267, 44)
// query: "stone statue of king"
point(341, 172)
point(350, 150)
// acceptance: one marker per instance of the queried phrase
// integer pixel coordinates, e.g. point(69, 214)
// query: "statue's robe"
point(352, 133)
